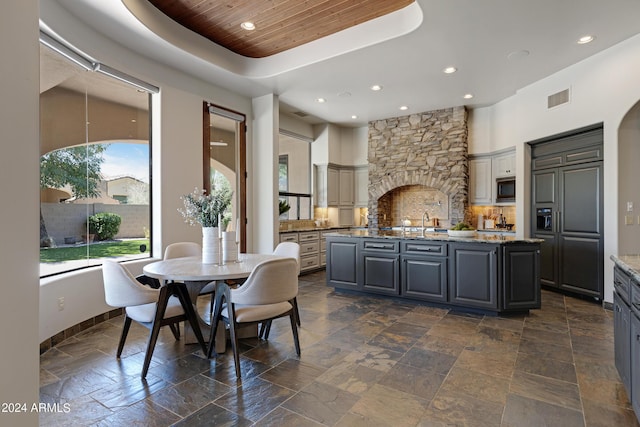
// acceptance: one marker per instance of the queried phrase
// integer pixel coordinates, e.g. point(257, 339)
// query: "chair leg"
point(163, 298)
point(234, 340)
point(295, 309)
point(294, 328)
point(175, 328)
point(215, 320)
point(267, 329)
point(123, 336)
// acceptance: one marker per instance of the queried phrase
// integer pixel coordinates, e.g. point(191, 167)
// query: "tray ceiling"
point(280, 24)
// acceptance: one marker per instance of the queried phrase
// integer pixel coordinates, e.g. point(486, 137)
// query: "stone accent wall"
point(428, 149)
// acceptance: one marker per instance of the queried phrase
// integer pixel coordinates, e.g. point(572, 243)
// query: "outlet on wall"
point(60, 303)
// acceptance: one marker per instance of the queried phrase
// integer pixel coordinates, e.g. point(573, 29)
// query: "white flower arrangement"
point(205, 209)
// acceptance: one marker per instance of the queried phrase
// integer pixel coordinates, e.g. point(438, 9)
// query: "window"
point(94, 166)
point(283, 172)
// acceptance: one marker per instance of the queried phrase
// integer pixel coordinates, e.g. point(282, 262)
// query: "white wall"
point(628, 179)
point(603, 89)
point(19, 154)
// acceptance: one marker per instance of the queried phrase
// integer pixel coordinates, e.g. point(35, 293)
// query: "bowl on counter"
point(461, 233)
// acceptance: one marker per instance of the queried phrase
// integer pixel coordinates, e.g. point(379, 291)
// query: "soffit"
point(280, 24)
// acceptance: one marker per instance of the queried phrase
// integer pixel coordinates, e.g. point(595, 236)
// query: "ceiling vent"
point(300, 113)
point(558, 98)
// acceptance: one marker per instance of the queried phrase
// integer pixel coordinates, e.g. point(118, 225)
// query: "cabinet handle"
point(418, 248)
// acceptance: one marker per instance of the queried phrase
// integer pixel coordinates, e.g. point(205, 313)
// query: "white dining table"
point(196, 275)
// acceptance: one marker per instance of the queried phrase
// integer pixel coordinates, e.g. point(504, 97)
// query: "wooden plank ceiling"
point(280, 24)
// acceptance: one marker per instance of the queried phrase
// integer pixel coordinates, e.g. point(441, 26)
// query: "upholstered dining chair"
point(289, 250)
point(267, 294)
point(152, 308)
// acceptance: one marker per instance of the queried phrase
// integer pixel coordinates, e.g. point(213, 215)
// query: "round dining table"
point(196, 276)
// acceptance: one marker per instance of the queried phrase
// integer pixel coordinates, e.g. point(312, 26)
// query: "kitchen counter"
point(630, 264)
point(490, 273)
point(435, 236)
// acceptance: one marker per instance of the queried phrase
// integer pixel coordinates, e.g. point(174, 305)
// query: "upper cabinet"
point(483, 172)
point(480, 181)
point(504, 164)
point(334, 185)
point(361, 186)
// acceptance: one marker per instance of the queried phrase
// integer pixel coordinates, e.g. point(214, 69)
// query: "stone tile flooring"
point(365, 362)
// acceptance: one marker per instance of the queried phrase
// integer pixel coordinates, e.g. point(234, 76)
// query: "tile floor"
point(365, 362)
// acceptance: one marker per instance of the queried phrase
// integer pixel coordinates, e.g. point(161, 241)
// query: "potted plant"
point(206, 210)
point(283, 208)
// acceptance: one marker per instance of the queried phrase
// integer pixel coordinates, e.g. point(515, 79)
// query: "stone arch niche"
point(422, 159)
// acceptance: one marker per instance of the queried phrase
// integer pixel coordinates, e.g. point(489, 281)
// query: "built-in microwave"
point(506, 190)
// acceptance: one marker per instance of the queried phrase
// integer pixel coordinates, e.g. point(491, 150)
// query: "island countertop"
point(630, 264)
point(435, 236)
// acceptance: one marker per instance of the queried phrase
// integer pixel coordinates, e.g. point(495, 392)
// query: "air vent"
point(300, 113)
point(559, 98)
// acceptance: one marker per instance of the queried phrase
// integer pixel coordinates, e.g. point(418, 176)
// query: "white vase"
point(229, 246)
point(210, 245)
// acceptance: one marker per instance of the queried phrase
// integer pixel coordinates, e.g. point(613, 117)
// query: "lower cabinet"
point(380, 274)
point(622, 343)
point(634, 363)
point(473, 275)
point(456, 273)
point(423, 273)
point(342, 260)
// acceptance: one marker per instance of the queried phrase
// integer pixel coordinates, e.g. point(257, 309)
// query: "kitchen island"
point(494, 273)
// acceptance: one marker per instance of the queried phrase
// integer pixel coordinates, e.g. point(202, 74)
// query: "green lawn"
point(96, 250)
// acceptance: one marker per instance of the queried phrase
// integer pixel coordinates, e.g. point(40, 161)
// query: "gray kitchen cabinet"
point(521, 277)
point(424, 274)
point(473, 275)
point(622, 340)
point(634, 363)
point(342, 261)
point(379, 267)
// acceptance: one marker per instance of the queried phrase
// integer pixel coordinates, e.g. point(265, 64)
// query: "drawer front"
point(289, 237)
point(307, 236)
point(323, 258)
point(309, 261)
point(621, 283)
point(390, 246)
point(419, 248)
point(308, 248)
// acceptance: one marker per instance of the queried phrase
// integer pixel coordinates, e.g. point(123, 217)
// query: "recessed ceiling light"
point(468, 96)
point(585, 39)
point(376, 87)
point(133, 120)
point(354, 117)
point(321, 100)
point(249, 26)
point(450, 70)
point(404, 107)
point(518, 54)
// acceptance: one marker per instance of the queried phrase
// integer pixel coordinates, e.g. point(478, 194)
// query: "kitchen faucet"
point(425, 214)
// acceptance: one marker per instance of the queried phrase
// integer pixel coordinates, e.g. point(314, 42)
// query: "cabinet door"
point(473, 275)
point(544, 190)
point(346, 187)
point(635, 363)
point(321, 181)
point(548, 259)
point(345, 217)
point(480, 181)
point(504, 165)
point(424, 278)
point(362, 187)
point(623, 341)
point(380, 273)
point(342, 261)
point(521, 278)
point(333, 187)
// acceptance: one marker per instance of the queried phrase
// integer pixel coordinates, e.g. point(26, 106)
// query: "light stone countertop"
point(630, 264)
point(441, 236)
